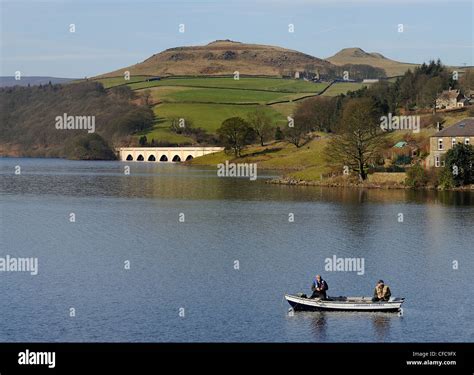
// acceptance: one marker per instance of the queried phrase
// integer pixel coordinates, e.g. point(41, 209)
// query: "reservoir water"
point(175, 253)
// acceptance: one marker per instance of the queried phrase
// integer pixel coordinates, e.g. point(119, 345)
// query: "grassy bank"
point(303, 162)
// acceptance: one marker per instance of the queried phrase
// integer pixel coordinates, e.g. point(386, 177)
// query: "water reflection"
point(381, 323)
point(226, 219)
point(319, 326)
point(145, 180)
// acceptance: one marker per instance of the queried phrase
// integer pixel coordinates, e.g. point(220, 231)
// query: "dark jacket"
point(322, 284)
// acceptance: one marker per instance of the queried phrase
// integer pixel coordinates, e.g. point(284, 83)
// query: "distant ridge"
point(222, 57)
point(359, 56)
point(8, 81)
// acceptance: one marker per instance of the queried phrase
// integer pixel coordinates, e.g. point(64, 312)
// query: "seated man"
point(319, 288)
point(381, 292)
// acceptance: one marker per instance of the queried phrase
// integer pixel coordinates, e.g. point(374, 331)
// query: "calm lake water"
point(190, 265)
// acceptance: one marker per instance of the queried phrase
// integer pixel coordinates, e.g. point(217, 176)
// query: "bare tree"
point(261, 123)
point(359, 139)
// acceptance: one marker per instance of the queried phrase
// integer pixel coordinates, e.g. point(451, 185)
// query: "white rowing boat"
point(302, 303)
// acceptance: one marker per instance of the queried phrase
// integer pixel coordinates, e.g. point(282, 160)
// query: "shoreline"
point(295, 182)
point(288, 181)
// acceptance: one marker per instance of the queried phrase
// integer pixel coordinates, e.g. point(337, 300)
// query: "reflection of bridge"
point(164, 154)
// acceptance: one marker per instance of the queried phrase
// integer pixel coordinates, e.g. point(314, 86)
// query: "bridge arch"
point(163, 154)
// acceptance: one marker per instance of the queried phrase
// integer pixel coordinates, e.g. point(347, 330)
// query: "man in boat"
point(381, 292)
point(319, 288)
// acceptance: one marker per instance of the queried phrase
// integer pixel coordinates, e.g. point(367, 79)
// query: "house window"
point(466, 141)
point(437, 161)
point(440, 144)
point(453, 142)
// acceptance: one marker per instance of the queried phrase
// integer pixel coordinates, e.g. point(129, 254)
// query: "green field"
point(162, 133)
point(270, 84)
point(227, 96)
point(208, 116)
point(118, 81)
point(343, 87)
point(207, 102)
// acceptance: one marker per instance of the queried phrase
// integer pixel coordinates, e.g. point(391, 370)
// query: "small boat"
point(301, 302)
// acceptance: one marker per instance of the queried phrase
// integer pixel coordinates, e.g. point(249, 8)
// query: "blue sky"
point(35, 37)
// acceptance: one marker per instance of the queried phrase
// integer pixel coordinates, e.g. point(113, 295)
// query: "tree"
point(234, 134)
point(466, 81)
point(430, 91)
point(416, 177)
point(459, 163)
point(359, 139)
point(142, 141)
point(295, 133)
point(319, 113)
point(182, 126)
point(278, 134)
point(261, 123)
point(146, 98)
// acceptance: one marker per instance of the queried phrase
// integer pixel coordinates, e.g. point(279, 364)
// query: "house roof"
point(462, 128)
point(400, 144)
point(449, 94)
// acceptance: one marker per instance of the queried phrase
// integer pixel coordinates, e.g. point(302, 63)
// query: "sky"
point(111, 34)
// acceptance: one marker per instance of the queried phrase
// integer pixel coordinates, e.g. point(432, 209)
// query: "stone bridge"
point(164, 154)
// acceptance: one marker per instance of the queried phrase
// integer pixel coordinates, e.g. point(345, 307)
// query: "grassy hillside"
point(208, 101)
point(28, 123)
point(306, 162)
point(267, 84)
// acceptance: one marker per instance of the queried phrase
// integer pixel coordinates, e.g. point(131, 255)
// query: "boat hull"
point(360, 304)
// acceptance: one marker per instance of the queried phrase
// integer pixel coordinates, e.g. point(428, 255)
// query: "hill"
point(359, 56)
point(8, 81)
point(224, 57)
point(29, 120)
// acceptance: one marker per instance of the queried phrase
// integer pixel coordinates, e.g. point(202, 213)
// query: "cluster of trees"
point(354, 72)
point(354, 122)
point(459, 166)
point(416, 90)
point(28, 118)
point(357, 72)
point(421, 87)
point(235, 132)
point(458, 170)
